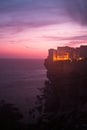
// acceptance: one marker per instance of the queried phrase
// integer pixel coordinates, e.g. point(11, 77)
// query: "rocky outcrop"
point(66, 93)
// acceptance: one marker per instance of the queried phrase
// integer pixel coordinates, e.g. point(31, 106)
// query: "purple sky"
point(28, 28)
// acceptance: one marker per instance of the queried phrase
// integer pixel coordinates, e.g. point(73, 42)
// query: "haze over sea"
point(20, 80)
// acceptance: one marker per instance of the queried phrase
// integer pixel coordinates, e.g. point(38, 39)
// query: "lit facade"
point(67, 53)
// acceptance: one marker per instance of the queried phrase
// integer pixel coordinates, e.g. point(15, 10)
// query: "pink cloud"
point(56, 38)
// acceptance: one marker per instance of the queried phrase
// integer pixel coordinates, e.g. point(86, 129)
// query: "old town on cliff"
point(67, 59)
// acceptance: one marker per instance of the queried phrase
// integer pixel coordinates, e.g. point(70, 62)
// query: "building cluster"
point(67, 53)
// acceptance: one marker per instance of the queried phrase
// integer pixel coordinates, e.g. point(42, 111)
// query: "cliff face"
point(66, 67)
point(66, 93)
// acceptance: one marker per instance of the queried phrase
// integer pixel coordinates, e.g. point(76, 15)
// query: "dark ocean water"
point(20, 80)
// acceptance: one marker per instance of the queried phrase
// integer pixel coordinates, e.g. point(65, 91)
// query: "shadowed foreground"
point(62, 105)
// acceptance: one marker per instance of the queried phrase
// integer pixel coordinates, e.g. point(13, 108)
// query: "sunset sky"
point(28, 28)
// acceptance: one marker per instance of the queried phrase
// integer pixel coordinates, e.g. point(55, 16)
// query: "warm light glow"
point(66, 53)
point(80, 58)
point(54, 58)
point(61, 57)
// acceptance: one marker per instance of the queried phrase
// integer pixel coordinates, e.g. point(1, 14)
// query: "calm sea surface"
point(20, 80)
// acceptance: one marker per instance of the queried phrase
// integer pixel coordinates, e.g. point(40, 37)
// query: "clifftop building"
point(67, 53)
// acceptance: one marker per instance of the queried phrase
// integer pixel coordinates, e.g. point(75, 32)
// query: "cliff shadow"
point(64, 101)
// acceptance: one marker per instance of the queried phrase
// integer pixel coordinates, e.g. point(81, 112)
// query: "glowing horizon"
point(29, 28)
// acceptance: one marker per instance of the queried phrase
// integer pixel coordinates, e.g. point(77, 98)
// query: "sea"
point(21, 81)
